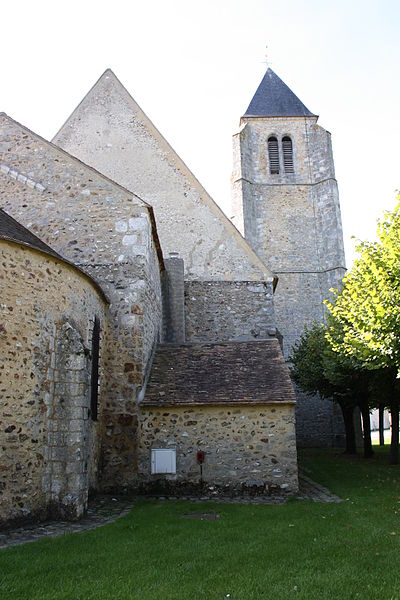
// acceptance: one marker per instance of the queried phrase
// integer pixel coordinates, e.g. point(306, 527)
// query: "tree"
point(317, 369)
point(352, 376)
point(365, 324)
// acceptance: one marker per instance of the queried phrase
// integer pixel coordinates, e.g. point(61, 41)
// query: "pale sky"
point(193, 67)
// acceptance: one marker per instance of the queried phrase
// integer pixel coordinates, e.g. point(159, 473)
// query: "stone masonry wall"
point(109, 233)
point(293, 223)
point(50, 448)
point(110, 132)
point(321, 421)
point(244, 446)
point(221, 311)
point(291, 220)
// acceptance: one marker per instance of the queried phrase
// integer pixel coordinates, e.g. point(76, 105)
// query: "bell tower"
point(286, 204)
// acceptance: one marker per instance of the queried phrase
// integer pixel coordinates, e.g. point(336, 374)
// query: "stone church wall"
point(292, 220)
point(110, 132)
point(50, 446)
point(245, 446)
point(174, 301)
point(228, 310)
point(110, 233)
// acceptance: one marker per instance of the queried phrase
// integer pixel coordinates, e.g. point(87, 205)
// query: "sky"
point(193, 67)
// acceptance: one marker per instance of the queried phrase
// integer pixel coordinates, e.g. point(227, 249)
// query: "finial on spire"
point(266, 60)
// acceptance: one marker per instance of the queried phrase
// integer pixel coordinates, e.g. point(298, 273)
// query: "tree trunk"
point(364, 407)
point(394, 446)
point(347, 413)
point(381, 425)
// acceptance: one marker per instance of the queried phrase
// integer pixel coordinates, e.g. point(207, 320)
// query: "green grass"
point(299, 550)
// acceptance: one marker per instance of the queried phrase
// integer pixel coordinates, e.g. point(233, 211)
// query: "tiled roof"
point(273, 98)
point(220, 373)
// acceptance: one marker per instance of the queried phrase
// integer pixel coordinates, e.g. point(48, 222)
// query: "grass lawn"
point(299, 550)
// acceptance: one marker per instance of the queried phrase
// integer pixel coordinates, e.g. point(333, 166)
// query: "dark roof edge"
point(156, 238)
point(161, 405)
point(270, 340)
point(248, 116)
point(53, 254)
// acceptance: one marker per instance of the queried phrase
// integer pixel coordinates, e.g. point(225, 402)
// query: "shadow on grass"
point(301, 549)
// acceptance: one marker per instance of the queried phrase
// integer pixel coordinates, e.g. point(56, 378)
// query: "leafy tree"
point(317, 369)
point(352, 377)
point(365, 324)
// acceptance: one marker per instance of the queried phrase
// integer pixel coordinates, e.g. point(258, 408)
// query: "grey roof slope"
point(13, 231)
point(273, 98)
point(219, 373)
point(10, 229)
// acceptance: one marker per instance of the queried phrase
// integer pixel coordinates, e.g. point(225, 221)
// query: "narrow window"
point(287, 148)
point(273, 155)
point(95, 370)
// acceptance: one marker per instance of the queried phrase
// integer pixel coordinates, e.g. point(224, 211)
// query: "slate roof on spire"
point(273, 98)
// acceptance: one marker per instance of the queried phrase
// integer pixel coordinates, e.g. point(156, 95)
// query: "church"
point(143, 334)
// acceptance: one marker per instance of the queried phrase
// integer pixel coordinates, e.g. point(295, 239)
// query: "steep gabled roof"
point(221, 373)
point(109, 131)
point(274, 98)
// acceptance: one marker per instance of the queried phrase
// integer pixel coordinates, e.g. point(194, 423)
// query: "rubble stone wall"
point(223, 310)
point(108, 232)
point(50, 446)
point(245, 446)
point(110, 132)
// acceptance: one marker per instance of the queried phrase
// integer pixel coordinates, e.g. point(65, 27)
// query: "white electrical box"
point(163, 460)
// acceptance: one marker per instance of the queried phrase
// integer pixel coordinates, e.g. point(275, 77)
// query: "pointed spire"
point(273, 98)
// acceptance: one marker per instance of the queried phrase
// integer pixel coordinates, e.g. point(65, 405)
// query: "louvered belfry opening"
point(95, 370)
point(273, 155)
point(287, 148)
